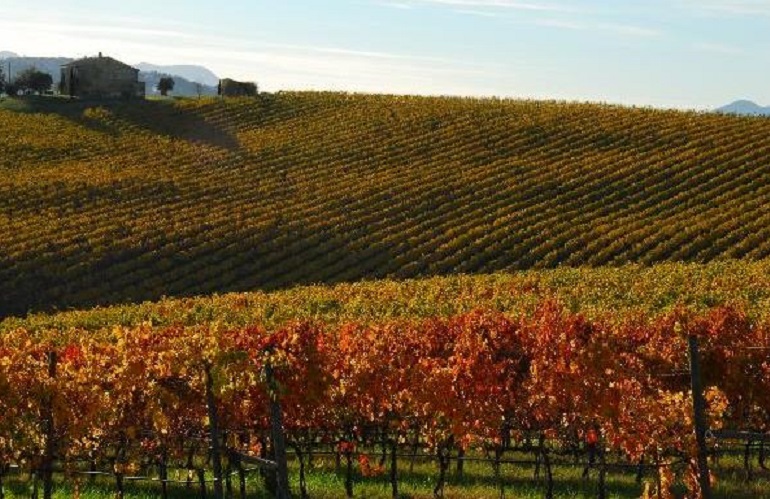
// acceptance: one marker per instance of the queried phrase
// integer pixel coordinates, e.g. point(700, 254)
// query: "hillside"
point(182, 86)
point(50, 65)
point(745, 108)
point(132, 201)
point(148, 73)
point(617, 292)
point(193, 74)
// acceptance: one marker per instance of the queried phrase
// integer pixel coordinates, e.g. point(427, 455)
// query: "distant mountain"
point(195, 74)
point(4, 54)
point(50, 65)
point(182, 86)
point(745, 108)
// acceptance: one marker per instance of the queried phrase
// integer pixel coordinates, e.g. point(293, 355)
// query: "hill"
point(50, 65)
point(183, 86)
point(627, 291)
point(132, 201)
point(746, 108)
point(191, 73)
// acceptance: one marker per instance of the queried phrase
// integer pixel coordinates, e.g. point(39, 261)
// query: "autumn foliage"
point(474, 380)
point(121, 202)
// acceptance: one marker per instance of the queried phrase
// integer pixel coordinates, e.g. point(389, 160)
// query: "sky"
point(696, 54)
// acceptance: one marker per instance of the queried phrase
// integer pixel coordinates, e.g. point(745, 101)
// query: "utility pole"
point(699, 409)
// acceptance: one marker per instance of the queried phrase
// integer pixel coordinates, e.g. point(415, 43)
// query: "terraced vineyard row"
point(596, 293)
point(135, 201)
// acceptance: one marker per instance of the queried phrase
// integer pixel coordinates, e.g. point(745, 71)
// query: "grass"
point(478, 481)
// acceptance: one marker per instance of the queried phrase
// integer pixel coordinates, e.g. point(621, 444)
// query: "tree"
point(165, 85)
point(32, 80)
point(232, 88)
point(2, 80)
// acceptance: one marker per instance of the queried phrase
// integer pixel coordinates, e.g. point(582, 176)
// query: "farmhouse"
point(100, 78)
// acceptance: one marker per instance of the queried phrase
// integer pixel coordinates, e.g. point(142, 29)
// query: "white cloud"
point(479, 13)
point(353, 52)
point(273, 65)
point(717, 48)
point(397, 5)
point(629, 30)
point(620, 29)
point(560, 23)
point(498, 8)
point(734, 7)
point(501, 4)
point(310, 68)
point(102, 30)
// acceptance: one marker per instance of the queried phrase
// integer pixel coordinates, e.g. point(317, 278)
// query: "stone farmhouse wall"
point(101, 78)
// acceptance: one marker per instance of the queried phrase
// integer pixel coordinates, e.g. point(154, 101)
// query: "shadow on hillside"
point(114, 117)
point(265, 259)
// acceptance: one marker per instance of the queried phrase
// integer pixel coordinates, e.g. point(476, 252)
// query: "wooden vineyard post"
point(699, 410)
point(164, 474)
point(50, 434)
point(279, 442)
point(602, 474)
point(216, 454)
point(202, 482)
point(460, 462)
point(393, 468)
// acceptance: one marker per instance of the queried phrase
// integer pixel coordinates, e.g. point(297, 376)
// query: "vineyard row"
point(479, 380)
point(200, 197)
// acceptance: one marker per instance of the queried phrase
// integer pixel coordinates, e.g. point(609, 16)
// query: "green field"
point(477, 481)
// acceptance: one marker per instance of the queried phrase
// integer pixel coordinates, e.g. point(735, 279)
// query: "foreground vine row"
point(131, 395)
point(129, 202)
point(594, 292)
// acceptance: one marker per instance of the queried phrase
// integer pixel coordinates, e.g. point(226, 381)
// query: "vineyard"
point(592, 292)
point(569, 367)
point(129, 202)
point(612, 389)
point(331, 276)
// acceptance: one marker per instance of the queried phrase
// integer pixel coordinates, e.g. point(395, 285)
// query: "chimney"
point(100, 55)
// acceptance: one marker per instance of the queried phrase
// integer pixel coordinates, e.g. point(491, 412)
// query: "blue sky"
point(675, 53)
